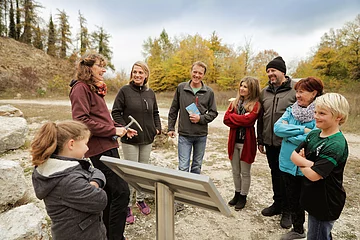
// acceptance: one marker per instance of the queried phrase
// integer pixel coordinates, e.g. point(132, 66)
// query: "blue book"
point(192, 109)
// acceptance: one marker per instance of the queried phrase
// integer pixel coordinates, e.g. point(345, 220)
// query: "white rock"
point(12, 182)
point(24, 222)
point(10, 111)
point(13, 132)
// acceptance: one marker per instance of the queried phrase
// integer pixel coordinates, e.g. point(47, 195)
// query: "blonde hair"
point(144, 67)
point(51, 137)
point(337, 105)
point(254, 93)
point(84, 65)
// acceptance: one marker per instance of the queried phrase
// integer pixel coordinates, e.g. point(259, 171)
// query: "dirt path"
point(198, 224)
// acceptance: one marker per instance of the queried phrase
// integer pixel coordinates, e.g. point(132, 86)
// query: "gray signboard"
point(168, 185)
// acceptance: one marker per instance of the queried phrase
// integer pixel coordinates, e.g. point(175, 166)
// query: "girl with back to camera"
point(136, 99)
point(241, 116)
point(70, 187)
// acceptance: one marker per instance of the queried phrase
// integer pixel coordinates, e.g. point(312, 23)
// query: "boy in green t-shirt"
point(322, 158)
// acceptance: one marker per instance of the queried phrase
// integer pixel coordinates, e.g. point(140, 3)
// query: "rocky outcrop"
point(13, 128)
point(10, 111)
point(13, 132)
point(24, 222)
point(12, 183)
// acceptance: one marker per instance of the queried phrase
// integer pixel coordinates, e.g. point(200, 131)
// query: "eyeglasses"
point(100, 66)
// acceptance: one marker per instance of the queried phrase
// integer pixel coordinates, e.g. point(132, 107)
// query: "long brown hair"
point(51, 137)
point(83, 68)
point(254, 93)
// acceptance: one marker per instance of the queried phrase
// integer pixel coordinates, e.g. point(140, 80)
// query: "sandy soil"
point(198, 224)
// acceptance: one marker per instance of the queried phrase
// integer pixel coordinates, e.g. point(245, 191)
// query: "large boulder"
point(12, 183)
point(13, 132)
point(24, 222)
point(10, 111)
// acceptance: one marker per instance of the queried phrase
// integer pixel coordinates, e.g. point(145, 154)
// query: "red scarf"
point(101, 88)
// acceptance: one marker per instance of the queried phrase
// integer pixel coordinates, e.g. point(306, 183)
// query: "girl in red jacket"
point(240, 117)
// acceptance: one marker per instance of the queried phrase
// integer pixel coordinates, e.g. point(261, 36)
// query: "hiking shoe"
point(271, 211)
point(130, 219)
point(293, 235)
point(144, 209)
point(178, 207)
point(285, 221)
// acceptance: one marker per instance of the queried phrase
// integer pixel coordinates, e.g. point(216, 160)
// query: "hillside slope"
point(25, 67)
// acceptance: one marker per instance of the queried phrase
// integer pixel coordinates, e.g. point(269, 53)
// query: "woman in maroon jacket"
point(240, 117)
point(88, 106)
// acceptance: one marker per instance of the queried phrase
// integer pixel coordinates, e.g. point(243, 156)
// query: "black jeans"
point(293, 189)
point(280, 200)
point(118, 193)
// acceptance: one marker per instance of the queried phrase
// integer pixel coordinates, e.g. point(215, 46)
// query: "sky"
point(293, 28)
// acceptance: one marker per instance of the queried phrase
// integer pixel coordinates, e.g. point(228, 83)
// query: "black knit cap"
point(277, 63)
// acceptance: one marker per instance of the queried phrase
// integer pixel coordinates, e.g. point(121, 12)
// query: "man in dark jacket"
point(274, 99)
point(193, 123)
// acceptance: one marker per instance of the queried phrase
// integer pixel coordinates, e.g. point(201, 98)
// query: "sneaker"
point(178, 207)
point(285, 221)
point(271, 211)
point(144, 209)
point(293, 235)
point(130, 219)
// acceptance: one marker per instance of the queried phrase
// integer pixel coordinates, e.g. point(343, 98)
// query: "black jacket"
point(140, 103)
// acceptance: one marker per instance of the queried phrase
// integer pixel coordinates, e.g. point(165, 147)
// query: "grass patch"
point(28, 171)
point(347, 236)
point(35, 113)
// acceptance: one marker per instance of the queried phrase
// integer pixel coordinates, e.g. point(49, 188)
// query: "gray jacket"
point(73, 204)
point(205, 102)
point(273, 104)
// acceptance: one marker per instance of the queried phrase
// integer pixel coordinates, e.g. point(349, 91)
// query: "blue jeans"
point(319, 230)
point(185, 145)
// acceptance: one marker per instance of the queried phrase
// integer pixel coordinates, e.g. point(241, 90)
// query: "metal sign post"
point(164, 199)
point(169, 185)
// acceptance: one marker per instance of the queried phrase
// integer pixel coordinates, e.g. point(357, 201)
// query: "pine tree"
point(38, 43)
point(31, 20)
point(2, 18)
point(100, 40)
point(28, 18)
point(51, 44)
point(64, 29)
point(18, 21)
point(12, 30)
point(84, 35)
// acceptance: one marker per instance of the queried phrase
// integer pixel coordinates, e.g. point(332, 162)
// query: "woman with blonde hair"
point(137, 100)
point(241, 116)
point(88, 106)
